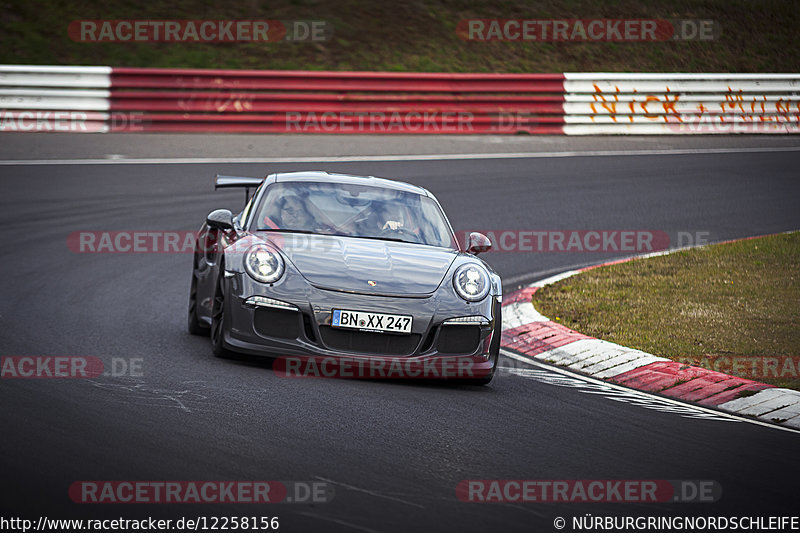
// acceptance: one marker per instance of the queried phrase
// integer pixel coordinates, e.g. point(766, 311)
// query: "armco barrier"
point(339, 102)
point(615, 103)
point(103, 99)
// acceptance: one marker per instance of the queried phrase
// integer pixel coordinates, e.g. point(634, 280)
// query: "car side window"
point(245, 214)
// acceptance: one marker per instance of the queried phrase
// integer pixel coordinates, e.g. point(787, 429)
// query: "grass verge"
point(731, 307)
point(413, 36)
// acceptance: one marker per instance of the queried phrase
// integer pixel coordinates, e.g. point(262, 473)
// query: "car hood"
point(350, 264)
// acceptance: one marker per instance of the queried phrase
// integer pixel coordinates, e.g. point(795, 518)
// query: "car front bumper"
point(294, 320)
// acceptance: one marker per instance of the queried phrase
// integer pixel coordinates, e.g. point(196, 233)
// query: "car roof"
point(348, 179)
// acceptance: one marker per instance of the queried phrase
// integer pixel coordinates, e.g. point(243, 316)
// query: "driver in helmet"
point(391, 217)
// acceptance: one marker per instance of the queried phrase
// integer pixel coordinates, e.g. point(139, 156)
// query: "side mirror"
point(478, 242)
point(221, 219)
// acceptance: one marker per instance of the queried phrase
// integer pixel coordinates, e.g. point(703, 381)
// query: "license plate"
point(371, 321)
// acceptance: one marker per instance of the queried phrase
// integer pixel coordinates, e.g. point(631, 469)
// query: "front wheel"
point(218, 320)
point(195, 326)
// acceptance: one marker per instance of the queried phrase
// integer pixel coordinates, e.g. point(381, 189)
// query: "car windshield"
point(353, 211)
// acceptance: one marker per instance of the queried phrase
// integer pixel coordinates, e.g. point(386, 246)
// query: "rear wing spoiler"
point(226, 182)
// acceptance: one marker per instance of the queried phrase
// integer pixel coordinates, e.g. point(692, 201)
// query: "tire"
point(194, 325)
point(218, 320)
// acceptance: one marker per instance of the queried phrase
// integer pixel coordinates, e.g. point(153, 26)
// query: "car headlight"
point(263, 263)
point(471, 282)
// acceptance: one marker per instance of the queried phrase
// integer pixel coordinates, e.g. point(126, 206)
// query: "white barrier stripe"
point(27, 76)
point(608, 103)
point(36, 98)
point(61, 121)
point(82, 114)
point(609, 88)
point(706, 119)
point(635, 76)
point(48, 69)
point(95, 81)
point(720, 107)
point(697, 99)
point(77, 93)
point(680, 129)
point(55, 103)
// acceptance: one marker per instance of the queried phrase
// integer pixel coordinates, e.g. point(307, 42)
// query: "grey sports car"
point(348, 269)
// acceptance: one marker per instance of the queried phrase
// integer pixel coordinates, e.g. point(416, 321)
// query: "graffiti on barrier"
point(734, 106)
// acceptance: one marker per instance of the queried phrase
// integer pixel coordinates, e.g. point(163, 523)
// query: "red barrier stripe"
point(336, 81)
point(244, 106)
point(256, 127)
point(232, 102)
point(342, 97)
point(335, 102)
point(464, 123)
point(306, 117)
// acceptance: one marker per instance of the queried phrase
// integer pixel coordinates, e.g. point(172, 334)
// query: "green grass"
point(412, 36)
point(726, 307)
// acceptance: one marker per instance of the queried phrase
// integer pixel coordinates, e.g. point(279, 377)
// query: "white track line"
point(412, 157)
point(667, 399)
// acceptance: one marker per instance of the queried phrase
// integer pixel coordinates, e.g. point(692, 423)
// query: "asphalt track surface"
point(393, 451)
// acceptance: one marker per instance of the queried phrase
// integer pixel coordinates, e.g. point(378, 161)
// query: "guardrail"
point(339, 102)
point(612, 103)
point(104, 99)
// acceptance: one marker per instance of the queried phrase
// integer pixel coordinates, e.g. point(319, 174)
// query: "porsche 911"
point(345, 267)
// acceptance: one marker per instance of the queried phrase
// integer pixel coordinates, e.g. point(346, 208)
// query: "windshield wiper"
point(393, 239)
point(308, 231)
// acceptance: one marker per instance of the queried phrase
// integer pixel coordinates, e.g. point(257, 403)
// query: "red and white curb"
point(528, 332)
